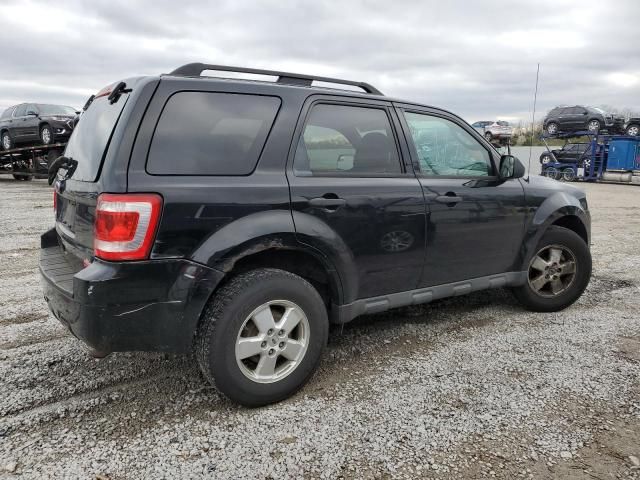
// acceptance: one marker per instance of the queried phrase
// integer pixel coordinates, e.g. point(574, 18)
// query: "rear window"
point(204, 133)
point(90, 138)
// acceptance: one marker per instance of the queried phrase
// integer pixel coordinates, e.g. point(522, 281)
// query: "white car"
point(494, 130)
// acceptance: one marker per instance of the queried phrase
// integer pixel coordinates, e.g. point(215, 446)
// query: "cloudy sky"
point(476, 58)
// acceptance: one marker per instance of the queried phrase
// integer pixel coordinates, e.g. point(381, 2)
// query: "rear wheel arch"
point(298, 261)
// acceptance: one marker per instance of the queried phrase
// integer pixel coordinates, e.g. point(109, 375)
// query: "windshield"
point(90, 138)
point(56, 110)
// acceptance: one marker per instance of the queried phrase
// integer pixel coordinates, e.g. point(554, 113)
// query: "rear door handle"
point(327, 203)
point(450, 199)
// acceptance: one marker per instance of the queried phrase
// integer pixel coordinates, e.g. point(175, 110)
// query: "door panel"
point(478, 236)
point(475, 222)
point(31, 124)
point(348, 175)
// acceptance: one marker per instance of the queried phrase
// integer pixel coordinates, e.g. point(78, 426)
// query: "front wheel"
point(594, 126)
point(46, 135)
point(488, 136)
point(633, 130)
point(558, 273)
point(261, 336)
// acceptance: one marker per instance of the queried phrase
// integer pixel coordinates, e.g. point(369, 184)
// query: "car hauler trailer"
point(26, 163)
point(609, 158)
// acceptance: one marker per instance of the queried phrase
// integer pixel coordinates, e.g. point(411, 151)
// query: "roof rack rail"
point(196, 69)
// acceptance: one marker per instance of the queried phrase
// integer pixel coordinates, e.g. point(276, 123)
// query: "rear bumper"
point(146, 306)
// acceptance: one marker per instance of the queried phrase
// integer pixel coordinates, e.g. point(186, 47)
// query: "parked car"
point(569, 153)
point(632, 127)
point(35, 123)
point(581, 118)
point(237, 219)
point(494, 130)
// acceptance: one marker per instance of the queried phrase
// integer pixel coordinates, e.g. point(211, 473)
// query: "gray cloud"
point(477, 59)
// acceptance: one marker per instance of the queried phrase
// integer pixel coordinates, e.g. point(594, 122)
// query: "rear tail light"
point(125, 225)
point(55, 201)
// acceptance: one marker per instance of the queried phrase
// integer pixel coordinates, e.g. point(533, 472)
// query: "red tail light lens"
point(125, 225)
point(55, 201)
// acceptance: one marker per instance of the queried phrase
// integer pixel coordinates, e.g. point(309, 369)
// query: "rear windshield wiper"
point(118, 90)
point(69, 164)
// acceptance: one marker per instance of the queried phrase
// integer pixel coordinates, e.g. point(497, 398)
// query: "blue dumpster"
point(624, 154)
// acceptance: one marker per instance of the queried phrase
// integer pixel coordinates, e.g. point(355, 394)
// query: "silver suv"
point(494, 130)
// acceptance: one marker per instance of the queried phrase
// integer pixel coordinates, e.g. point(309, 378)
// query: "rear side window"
point(7, 113)
point(204, 133)
point(347, 140)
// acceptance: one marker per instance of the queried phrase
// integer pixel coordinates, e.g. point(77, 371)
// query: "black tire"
point(224, 317)
point(46, 139)
point(23, 176)
point(6, 143)
point(568, 174)
point(633, 130)
point(594, 125)
point(547, 156)
point(488, 136)
point(552, 128)
point(566, 238)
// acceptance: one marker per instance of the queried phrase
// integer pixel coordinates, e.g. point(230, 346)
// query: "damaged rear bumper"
point(146, 306)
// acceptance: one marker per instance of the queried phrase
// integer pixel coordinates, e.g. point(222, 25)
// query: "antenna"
point(533, 123)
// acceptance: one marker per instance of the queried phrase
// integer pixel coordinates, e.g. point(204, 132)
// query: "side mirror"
point(511, 167)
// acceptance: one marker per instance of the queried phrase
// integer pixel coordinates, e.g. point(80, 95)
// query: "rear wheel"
point(558, 273)
point(568, 175)
point(6, 141)
point(552, 172)
point(633, 130)
point(488, 136)
point(46, 135)
point(552, 128)
point(261, 336)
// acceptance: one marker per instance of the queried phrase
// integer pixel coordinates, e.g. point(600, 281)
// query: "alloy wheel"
point(593, 126)
point(272, 341)
point(552, 128)
point(633, 130)
point(552, 270)
point(6, 142)
point(46, 135)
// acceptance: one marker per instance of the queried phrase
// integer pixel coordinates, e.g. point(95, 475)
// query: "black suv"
point(579, 118)
point(570, 153)
point(238, 218)
point(35, 123)
point(632, 127)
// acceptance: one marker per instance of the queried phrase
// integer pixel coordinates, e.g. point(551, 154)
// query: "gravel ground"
point(471, 387)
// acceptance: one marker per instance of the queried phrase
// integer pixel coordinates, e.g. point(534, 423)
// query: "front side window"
point(347, 140)
point(446, 149)
point(205, 133)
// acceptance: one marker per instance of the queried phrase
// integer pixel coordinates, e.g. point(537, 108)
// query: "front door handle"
point(327, 203)
point(450, 199)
